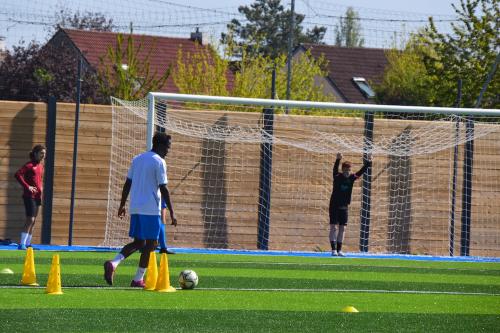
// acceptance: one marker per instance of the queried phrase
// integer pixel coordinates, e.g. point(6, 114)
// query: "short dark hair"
point(161, 139)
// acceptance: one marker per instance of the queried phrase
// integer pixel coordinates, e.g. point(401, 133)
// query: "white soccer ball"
point(188, 279)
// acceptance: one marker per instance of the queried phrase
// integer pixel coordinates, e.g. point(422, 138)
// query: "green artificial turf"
point(240, 293)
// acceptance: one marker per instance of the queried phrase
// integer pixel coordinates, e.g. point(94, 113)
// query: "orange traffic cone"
point(151, 273)
point(163, 283)
point(54, 281)
point(29, 275)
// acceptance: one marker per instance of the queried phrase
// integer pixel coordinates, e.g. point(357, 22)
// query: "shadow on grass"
point(162, 320)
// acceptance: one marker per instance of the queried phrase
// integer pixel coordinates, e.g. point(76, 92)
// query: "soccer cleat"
point(334, 253)
point(341, 254)
point(21, 247)
point(137, 284)
point(109, 272)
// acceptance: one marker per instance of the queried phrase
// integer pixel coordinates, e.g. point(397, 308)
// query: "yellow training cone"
point(54, 282)
point(163, 283)
point(151, 273)
point(29, 275)
point(350, 308)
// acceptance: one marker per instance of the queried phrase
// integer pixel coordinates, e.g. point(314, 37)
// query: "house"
point(352, 71)
point(93, 45)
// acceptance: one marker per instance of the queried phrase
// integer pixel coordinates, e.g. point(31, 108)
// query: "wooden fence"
point(23, 124)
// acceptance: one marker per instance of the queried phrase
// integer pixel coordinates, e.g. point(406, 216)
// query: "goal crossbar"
point(322, 105)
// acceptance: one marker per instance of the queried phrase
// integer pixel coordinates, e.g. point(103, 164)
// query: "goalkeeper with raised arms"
point(340, 200)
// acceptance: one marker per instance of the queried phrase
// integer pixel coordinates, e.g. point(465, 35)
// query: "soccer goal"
point(257, 174)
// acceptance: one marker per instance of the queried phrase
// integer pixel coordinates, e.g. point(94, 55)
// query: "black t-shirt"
point(342, 185)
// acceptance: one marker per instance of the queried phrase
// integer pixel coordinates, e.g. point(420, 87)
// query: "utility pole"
point(290, 49)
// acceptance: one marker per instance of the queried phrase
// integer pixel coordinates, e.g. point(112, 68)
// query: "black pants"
point(338, 215)
point(31, 206)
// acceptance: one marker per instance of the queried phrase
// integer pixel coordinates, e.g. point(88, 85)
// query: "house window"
point(364, 87)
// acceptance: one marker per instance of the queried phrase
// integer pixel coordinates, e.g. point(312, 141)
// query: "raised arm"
point(366, 165)
point(336, 165)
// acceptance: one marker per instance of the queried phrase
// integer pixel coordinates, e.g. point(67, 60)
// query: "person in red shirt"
point(30, 176)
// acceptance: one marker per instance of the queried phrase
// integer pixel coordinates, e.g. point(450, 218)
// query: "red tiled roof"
point(95, 44)
point(344, 63)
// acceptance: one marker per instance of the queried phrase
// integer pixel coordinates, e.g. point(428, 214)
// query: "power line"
point(357, 18)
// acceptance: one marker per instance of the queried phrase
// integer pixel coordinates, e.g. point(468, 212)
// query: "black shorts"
point(338, 215)
point(31, 206)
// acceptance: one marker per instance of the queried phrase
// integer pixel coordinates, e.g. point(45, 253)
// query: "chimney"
point(197, 36)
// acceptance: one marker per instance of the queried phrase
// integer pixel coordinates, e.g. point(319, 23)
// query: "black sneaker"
point(109, 272)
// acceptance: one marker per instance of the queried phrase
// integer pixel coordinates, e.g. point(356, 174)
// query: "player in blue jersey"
point(163, 232)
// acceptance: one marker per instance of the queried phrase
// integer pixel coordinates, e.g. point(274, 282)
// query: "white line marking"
point(333, 265)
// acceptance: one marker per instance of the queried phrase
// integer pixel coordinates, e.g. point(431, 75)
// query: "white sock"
point(24, 236)
point(139, 275)
point(28, 240)
point(117, 260)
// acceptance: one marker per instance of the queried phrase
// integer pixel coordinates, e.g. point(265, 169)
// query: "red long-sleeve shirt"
point(28, 175)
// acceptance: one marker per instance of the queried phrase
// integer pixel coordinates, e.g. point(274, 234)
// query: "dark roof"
point(95, 44)
point(344, 63)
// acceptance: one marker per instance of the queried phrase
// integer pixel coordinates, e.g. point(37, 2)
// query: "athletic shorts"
point(31, 206)
point(145, 226)
point(338, 215)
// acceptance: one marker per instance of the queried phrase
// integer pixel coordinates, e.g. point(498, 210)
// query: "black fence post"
point(364, 233)
point(455, 174)
point(468, 160)
point(467, 188)
point(266, 166)
point(75, 151)
point(48, 187)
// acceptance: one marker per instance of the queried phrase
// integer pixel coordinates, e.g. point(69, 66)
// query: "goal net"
point(257, 174)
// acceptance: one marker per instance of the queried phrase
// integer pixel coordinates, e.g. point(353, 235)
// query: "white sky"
point(385, 20)
point(432, 7)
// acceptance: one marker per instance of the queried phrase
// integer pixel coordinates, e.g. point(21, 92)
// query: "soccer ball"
point(188, 279)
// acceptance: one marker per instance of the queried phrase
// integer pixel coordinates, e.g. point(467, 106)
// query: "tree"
point(348, 31)
point(254, 78)
point(406, 80)
point(434, 61)
point(33, 72)
point(467, 53)
point(83, 20)
point(267, 30)
point(125, 73)
point(203, 74)
point(16, 79)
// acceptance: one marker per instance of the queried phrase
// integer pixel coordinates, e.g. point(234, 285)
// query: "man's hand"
point(121, 211)
point(174, 220)
point(339, 156)
point(33, 189)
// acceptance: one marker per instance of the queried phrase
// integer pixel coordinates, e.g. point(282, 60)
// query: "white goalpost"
point(244, 174)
